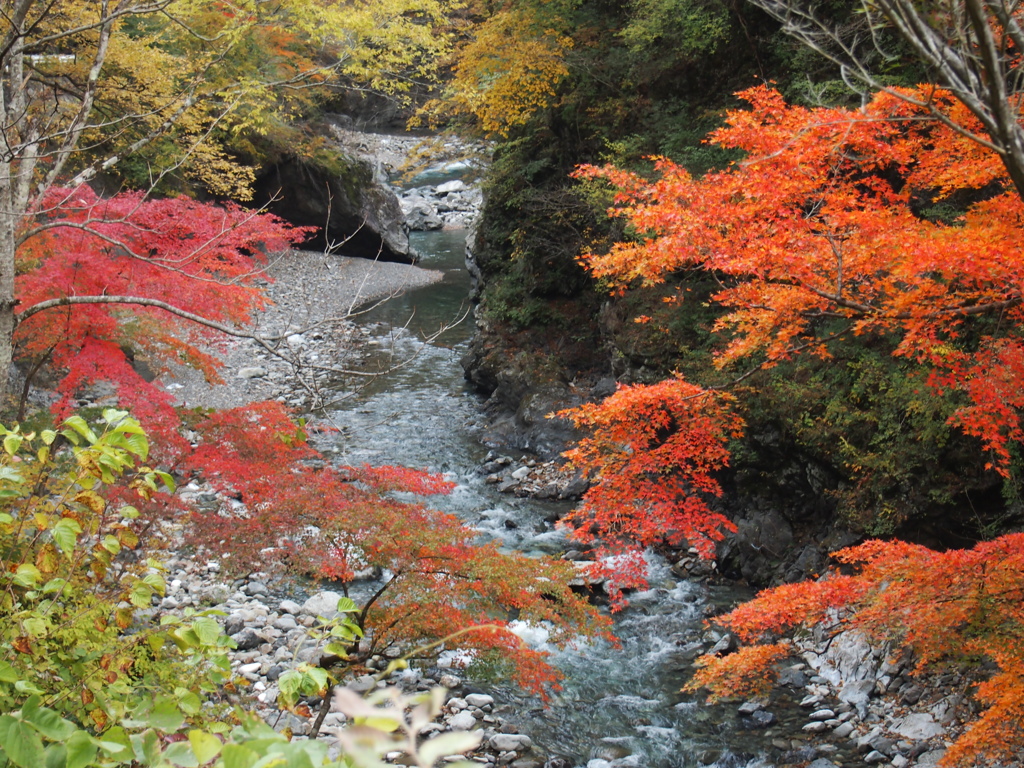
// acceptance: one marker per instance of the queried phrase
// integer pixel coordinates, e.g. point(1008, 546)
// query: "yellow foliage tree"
point(510, 67)
point(163, 86)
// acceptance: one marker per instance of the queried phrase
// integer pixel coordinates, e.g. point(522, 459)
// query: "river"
point(618, 707)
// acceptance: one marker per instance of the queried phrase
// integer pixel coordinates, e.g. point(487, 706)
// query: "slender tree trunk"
point(8, 227)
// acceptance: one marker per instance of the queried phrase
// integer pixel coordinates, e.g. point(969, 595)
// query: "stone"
point(726, 645)
point(255, 588)
point(449, 681)
point(479, 700)
point(463, 721)
point(821, 762)
point(843, 730)
point(857, 694)
point(456, 704)
point(761, 719)
point(918, 727)
point(253, 372)
point(289, 607)
point(823, 714)
point(930, 759)
point(275, 672)
point(521, 474)
point(450, 186)
point(750, 707)
point(322, 604)
point(875, 757)
point(246, 640)
point(815, 727)
point(510, 742)
point(285, 623)
point(362, 684)
point(235, 624)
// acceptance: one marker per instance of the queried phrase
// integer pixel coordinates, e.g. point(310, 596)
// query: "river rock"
point(253, 372)
point(322, 604)
point(246, 640)
point(918, 727)
point(480, 700)
point(289, 607)
point(821, 762)
point(510, 742)
point(463, 721)
point(456, 185)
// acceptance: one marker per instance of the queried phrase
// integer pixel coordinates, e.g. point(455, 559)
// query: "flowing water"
point(618, 705)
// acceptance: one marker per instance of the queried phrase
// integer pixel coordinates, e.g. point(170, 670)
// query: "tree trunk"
point(8, 226)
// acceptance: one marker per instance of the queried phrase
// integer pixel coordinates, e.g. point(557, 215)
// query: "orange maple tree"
point(817, 234)
point(952, 608)
point(814, 236)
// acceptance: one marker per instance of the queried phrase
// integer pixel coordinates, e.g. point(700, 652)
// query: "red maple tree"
point(166, 279)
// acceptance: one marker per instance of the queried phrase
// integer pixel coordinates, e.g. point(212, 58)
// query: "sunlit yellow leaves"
point(509, 70)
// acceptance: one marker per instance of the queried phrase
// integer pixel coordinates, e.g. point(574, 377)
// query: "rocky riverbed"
point(271, 632)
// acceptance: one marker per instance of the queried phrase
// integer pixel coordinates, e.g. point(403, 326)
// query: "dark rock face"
point(348, 202)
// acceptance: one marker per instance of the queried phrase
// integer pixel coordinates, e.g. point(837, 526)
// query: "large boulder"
point(345, 197)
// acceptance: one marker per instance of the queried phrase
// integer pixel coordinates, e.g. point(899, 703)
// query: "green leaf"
point(65, 534)
point(167, 480)
point(336, 649)
point(6, 519)
point(146, 747)
point(48, 436)
point(347, 605)
point(82, 749)
point(54, 585)
point(56, 756)
point(165, 716)
point(189, 702)
point(238, 756)
point(12, 443)
point(141, 594)
point(207, 630)
point(46, 721)
point(111, 544)
point(76, 426)
point(129, 512)
point(156, 581)
point(27, 576)
point(379, 723)
point(180, 753)
point(20, 743)
point(205, 746)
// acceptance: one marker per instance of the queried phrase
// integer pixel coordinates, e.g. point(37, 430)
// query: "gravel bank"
point(316, 301)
